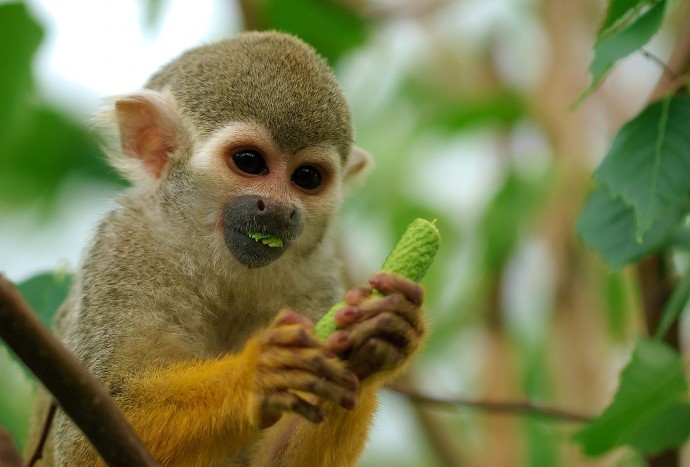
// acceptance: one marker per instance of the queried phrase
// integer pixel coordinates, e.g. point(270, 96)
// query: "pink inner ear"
point(153, 148)
point(146, 132)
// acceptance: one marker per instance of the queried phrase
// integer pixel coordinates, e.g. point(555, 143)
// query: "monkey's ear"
point(148, 127)
point(359, 162)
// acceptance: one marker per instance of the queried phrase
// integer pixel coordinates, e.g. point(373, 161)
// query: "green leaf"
point(20, 36)
point(332, 29)
point(652, 388)
point(45, 293)
point(621, 13)
point(674, 307)
point(607, 225)
point(648, 164)
point(624, 31)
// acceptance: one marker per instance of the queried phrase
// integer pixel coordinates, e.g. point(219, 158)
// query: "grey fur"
point(291, 89)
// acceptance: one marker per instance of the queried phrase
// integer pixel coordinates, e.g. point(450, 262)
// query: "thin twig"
point(47, 423)
point(665, 68)
point(509, 407)
point(79, 394)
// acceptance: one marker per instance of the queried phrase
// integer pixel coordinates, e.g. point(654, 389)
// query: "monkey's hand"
point(292, 362)
point(380, 334)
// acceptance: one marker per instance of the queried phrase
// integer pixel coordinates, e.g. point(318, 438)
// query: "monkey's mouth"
point(256, 232)
point(251, 252)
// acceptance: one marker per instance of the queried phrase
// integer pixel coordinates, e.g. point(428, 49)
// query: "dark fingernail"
point(341, 338)
point(348, 401)
point(351, 380)
point(350, 313)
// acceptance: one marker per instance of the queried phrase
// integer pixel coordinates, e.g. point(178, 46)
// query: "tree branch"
point(47, 423)
point(78, 393)
point(509, 408)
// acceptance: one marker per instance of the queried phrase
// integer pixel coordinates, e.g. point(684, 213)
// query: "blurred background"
point(467, 108)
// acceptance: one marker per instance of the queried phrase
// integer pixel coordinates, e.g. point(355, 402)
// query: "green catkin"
point(410, 258)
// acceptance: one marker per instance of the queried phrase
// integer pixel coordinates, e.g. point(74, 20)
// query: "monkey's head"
point(250, 135)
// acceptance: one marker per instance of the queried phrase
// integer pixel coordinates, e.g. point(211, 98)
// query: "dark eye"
point(250, 161)
point(307, 177)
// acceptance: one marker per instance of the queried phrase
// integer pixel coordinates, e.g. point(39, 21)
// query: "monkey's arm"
point(380, 337)
point(197, 412)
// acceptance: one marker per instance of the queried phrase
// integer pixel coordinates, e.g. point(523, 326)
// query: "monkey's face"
point(270, 202)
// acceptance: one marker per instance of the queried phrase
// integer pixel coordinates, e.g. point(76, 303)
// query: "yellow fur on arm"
point(336, 442)
point(195, 412)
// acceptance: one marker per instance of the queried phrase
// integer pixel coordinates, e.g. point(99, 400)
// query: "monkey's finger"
point(388, 326)
point(356, 295)
point(285, 401)
point(320, 362)
point(391, 283)
point(395, 303)
point(292, 335)
point(373, 356)
point(287, 316)
point(304, 381)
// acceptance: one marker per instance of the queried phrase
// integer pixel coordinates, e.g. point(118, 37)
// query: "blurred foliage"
point(42, 146)
point(517, 307)
point(331, 28)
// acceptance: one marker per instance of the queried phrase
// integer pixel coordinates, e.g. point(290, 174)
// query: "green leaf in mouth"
point(266, 239)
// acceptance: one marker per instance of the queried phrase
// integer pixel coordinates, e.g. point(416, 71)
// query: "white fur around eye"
point(211, 156)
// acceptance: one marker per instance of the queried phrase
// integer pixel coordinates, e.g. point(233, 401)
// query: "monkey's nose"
point(270, 208)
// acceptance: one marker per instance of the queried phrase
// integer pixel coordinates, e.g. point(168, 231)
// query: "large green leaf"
point(652, 389)
point(648, 164)
point(607, 225)
point(20, 36)
point(628, 26)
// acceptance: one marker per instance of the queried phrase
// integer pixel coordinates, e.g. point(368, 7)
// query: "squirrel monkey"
point(202, 334)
